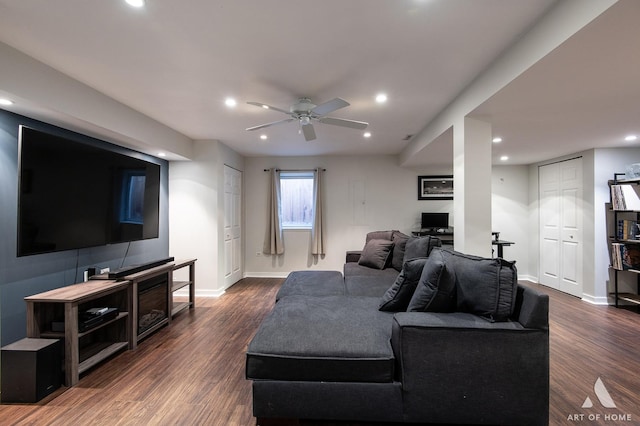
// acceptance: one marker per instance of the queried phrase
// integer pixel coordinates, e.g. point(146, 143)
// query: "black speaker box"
point(31, 369)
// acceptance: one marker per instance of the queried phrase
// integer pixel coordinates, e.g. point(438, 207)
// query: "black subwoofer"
point(31, 369)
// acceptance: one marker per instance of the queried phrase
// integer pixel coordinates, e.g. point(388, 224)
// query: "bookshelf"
point(625, 234)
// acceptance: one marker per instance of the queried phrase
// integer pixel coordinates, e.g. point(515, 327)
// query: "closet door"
point(560, 224)
point(232, 225)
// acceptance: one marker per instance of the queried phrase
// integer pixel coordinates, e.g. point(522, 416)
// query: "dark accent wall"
point(24, 276)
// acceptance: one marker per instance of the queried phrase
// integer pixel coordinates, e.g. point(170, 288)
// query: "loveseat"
point(449, 338)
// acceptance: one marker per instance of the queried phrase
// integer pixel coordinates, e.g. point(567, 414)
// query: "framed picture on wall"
point(439, 187)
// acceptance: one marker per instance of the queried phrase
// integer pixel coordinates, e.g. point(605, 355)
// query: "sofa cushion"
point(312, 283)
point(484, 286)
point(435, 291)
point(420, 246)
point(399, 244)
point(331, 338)
point(397, 297)
point(375, 253)
point(379, 235)
point(370, 286)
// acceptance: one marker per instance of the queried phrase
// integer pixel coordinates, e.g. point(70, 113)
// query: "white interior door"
point(232, 225)
point(560, 195)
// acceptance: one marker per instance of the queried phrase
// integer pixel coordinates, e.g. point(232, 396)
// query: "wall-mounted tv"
point(75, 194)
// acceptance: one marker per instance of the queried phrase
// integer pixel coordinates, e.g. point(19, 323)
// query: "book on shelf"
point(625, 197)
point(625, 256)
point(627, 230)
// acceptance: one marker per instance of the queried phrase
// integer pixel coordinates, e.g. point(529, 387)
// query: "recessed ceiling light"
point(265, 106)
point(381, 98)
point(230, 102)
point(135, 3)
point(504, 158)
point(497, 139)
point(162, 154)
point(631, 138)
point(6, 102)
point(263, 137)
point(367, 134)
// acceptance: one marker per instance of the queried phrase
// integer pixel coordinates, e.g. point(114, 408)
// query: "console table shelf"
point(85, 349)
point(82, 350)
point(176, 285)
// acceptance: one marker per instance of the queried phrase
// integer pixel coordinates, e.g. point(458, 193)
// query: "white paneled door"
point(232, 226)
point(560, 195)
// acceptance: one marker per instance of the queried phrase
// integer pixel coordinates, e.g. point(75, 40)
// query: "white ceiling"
point(177, 61)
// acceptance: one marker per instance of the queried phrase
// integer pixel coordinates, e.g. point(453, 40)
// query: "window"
point(296, 200)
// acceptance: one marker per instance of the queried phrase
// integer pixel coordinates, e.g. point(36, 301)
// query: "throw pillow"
point(379, 235)
point(486, 287)
point(399, 243)
point(397, 298)
point(420, 247)
point(375, 254)
point(436, 289)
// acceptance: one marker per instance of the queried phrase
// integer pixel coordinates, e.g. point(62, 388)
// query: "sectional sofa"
point(448, 338)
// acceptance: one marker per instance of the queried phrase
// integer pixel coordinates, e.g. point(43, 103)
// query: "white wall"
point(196, 208)
point(510, 211)
point(364, 194)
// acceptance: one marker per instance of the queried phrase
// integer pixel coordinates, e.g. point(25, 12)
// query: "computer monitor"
point(434, 220)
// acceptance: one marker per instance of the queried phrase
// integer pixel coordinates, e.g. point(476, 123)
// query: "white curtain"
point(274, 242)
point(318, 241)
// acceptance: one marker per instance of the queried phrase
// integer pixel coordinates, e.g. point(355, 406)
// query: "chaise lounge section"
point(474, 350)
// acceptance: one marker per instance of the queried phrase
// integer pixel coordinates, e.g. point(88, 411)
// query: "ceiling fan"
point(306, 112)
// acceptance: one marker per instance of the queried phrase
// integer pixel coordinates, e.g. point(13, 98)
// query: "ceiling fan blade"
point(360, 125)
point(329, 106)
point(309, 132)
point(262, 126)
point(265, 106)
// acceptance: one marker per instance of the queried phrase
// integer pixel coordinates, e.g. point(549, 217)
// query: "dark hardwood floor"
point(192, 373)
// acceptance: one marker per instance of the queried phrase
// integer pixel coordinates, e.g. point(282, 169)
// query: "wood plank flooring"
point(192, 373)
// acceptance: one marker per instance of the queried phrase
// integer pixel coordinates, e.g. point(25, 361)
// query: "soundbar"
point(116, 274)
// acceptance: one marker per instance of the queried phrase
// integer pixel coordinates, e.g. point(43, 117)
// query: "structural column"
point(472, 186)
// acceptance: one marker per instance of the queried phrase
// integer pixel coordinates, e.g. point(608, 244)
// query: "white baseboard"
point(529, 278)
point(595, 300)
point(266, 274)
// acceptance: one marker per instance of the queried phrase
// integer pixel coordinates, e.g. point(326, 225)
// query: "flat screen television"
point(74, 194)
point(435, 220)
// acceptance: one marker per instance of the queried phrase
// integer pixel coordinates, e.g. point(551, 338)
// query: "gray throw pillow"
point(437, 286)
point(397, 298)
point(399, 243)
point(420, 246)
point(486, 287)
point(375, 254)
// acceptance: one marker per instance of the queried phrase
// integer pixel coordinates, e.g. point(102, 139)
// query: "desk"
point(501, 244)
point(446, 237)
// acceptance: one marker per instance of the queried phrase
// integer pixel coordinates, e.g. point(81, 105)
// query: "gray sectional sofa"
point(448, 338)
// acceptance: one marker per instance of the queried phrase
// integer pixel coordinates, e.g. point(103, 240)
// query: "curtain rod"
point(295, 170)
